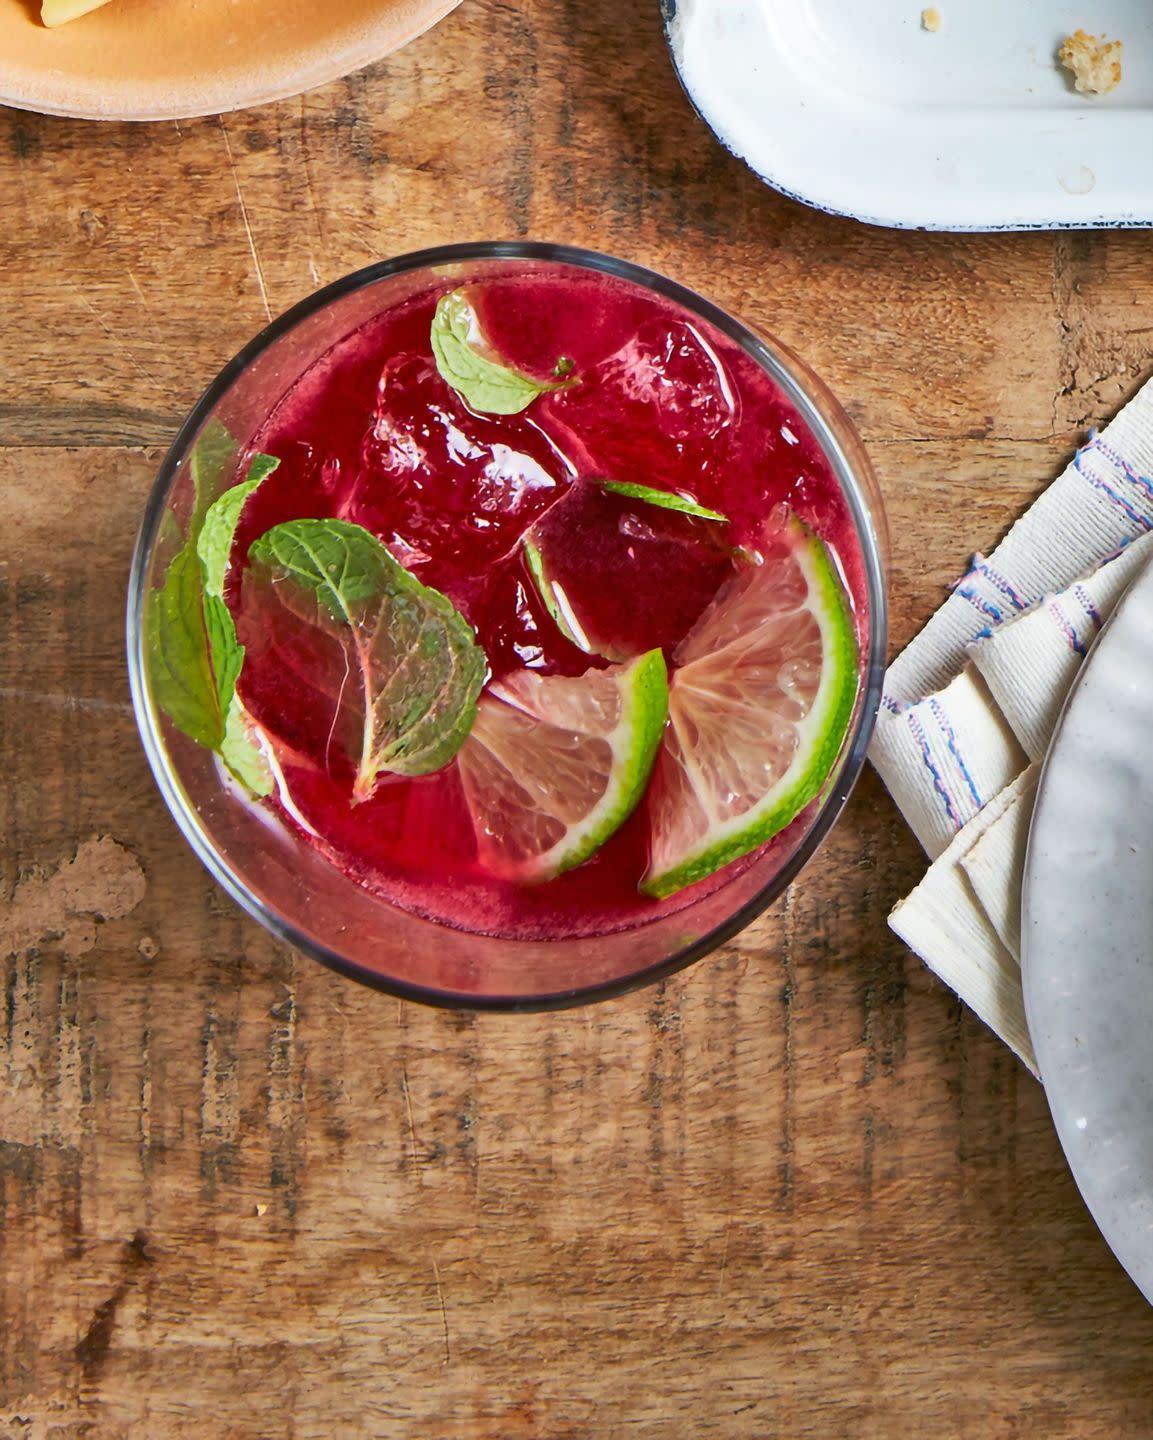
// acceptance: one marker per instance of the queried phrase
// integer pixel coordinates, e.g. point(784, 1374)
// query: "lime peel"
point(554, 599)
point(666, 499)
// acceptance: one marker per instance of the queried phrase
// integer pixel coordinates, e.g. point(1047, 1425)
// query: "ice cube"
point(631, 581)
point(455, 488)
point(655, 412)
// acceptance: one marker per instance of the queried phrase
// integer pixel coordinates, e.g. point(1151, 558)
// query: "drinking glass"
point(309, 903)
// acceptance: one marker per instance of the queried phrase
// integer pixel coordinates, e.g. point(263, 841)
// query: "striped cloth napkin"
point(970, 706)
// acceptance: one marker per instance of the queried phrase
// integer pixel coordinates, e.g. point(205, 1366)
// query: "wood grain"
point(796, 1191)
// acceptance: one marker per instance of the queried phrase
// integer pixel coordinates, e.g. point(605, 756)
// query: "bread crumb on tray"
point(931, 19)
point(1093, 61)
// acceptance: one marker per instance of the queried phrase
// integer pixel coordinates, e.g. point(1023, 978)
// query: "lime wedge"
point(554, 765)
point(666, 499)
point(758, 710)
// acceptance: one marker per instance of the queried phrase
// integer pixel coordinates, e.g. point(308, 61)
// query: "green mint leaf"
point(181, 673)
point(483, 382)
point(224, 650)
point(218, 533)
point(241, 753)
point(666, 499)
point(179, 669)
point(238, 749)
point(211, 456)
point(196, 657)
point(414, 655)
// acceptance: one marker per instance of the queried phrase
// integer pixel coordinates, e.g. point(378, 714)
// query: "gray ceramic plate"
point(1088, 931)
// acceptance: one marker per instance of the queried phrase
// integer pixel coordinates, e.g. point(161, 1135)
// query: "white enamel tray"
point(854, 108)
point(1087, 932)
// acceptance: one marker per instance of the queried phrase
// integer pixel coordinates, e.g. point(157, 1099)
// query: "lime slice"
point(555, 765)
point(758, 709)
point(666, 499)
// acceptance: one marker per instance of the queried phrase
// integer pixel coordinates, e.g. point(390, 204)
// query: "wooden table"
point(796, 1191)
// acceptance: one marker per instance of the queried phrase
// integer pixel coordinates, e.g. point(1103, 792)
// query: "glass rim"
point(821, 412)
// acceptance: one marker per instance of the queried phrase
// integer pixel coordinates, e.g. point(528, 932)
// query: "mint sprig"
point(195, 655)
point(419, 666)
point(465, 362)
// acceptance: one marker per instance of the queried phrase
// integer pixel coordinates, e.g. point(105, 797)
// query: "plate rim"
point(894, 217)
point(1136, 597)
point(196, 97)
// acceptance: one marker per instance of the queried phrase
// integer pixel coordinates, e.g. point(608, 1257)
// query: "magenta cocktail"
point(534, 606)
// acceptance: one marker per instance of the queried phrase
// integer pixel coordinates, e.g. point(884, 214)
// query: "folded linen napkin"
point(969, 708)
point(945, 923)
point(1029, 664)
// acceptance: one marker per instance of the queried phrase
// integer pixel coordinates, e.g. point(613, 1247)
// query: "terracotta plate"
point(172, 59)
